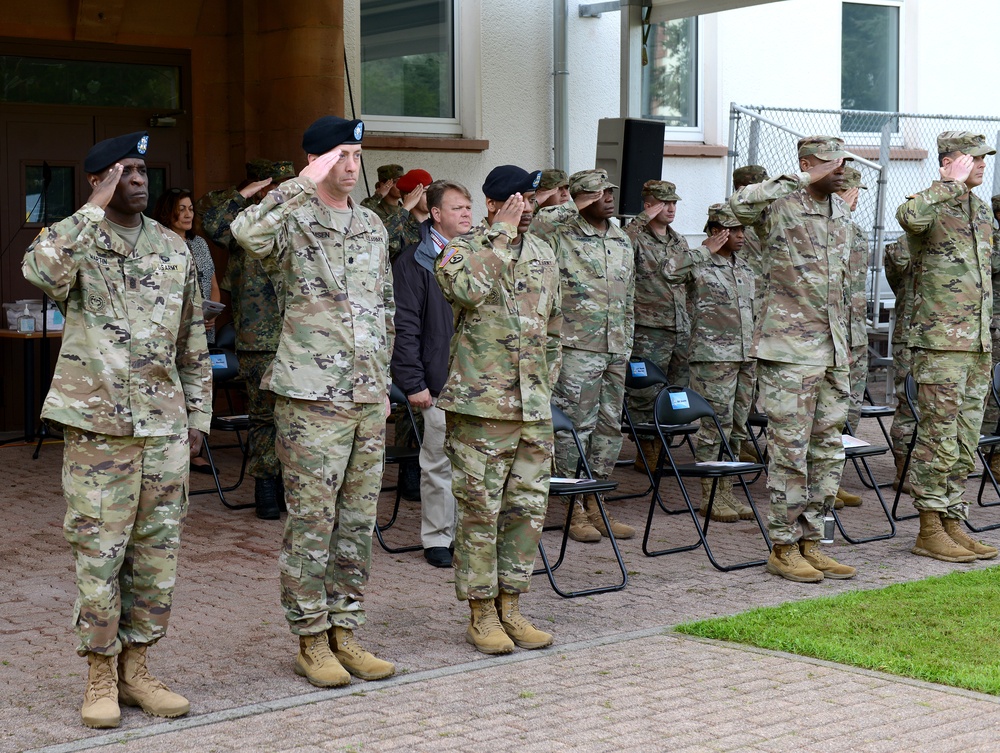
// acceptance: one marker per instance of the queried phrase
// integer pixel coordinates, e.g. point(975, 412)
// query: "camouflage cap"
point(588, 181)
point(973, 144)
point(826, 148)
point(748, 175)
point(722, 214)
point(389, 172)
point(553, 179)
point(262, 169)
point(995, 203)
point(852, 179)
point(663, 190)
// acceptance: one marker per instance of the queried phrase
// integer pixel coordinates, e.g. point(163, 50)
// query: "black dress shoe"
point(439, 556)
point(201, 468)
point(266, 496)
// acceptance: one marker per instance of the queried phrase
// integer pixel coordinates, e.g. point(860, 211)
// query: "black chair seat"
point(590, 487)
point(757, 420)
point(700, 470)
point(877, 411)
point(864, 452)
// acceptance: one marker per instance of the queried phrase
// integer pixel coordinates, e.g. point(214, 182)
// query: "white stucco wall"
point(779, 54)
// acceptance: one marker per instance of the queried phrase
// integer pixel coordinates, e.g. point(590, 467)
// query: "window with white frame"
point(409, 76)
point(869, 77)
point(670, 85)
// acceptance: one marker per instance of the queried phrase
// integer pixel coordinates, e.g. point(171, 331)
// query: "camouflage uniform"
point(504, 363)
point(949, 236)
point(598, 283)
point(382, 206)
point(255, 314)
point(751, 251)
point(800, 342)
point(899, 274)
point(858, 308)
point(403, 229)
point(331, 375)
point(662, 321)
point(991, 414)
point(133, 376)
point(722, 371)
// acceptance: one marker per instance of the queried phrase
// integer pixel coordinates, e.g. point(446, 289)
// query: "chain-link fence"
point(896, 154)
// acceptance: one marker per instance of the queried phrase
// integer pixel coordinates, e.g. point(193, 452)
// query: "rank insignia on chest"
point(494, 297)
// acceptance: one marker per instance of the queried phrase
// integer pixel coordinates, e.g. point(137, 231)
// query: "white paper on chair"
point(561, 480)
point(850, 441)
point(723, 463)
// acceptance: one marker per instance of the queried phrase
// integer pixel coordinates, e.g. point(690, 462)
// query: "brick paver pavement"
point(229, 650)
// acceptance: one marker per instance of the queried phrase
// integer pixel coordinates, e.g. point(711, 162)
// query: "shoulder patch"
point(447, 256)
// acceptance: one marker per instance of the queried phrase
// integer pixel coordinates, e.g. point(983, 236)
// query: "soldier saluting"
point(132, 393)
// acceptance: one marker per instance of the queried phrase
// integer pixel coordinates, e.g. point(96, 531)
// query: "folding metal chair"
point(988, 441)
point(870, 410)
point(589, 487)
point(987, 468)
point(641, 374)
point(225, 370)
point(859, 457)
point(395, 456)
point(675, 406)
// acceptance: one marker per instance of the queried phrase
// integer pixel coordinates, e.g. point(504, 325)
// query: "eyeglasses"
point(178, 190)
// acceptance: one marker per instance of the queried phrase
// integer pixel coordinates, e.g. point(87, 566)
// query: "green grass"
point(944, 630)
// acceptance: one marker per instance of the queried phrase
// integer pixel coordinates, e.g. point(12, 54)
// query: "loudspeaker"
point(631, 150)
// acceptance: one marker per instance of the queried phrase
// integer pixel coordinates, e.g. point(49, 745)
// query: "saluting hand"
point(413, 197)
point(251, 188)
point(104, 188)
point(653, 211)
point(511, 210)
point(383, 188)
point(319, 168)
point(821, 169)
point(543, 194)
point(586, 198)
point(715, 242)
point(958, 169)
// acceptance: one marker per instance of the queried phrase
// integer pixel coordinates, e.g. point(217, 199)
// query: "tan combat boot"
point(354, 658)
point(721, 511)
point(620, 530)
point(485, 631)
point(650, 449)
point(734, 502)
point(522, 632)
point(830, 568)
point(136, 687)
point(747, 453)
point(580, 527)
point(317, 663)
point(786, 560)
point(932, 541)
point(953, 527)
point(849, 500)
point(100, 701)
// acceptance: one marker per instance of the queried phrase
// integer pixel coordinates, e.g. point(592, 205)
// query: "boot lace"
point(140, 672)
point(102, 679)
point(489, 620)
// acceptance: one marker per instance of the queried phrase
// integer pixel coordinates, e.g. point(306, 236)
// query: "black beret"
point(507, 180)
point(105, 153)
point(329, 132)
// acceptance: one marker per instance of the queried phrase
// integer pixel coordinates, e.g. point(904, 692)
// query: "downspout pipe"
point(560, 88)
